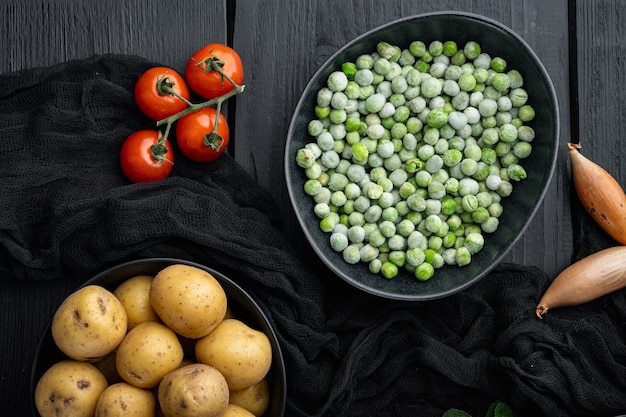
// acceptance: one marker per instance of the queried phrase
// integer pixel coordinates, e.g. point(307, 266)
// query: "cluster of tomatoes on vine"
point(214, 73)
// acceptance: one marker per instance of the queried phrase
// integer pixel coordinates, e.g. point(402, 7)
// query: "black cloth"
point(67, 209)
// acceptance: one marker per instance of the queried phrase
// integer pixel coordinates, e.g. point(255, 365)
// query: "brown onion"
point(596, 275)
point(600, 194)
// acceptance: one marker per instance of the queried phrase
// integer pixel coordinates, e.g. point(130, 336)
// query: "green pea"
point(424, 271)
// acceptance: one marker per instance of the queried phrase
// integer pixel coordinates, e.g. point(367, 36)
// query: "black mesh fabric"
point(67, 209)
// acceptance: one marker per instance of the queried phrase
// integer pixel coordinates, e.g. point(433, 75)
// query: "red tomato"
point(153, 93)
point(144, 157)
point(194, 137)
point(209, 83)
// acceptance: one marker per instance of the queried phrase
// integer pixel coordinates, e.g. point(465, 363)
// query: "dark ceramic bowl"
point(519, 208)
point(239, 301)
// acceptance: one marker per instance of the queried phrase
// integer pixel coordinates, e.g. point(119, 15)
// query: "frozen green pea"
point(435, 243)
point(436, 190)
point(339, 100)
point(360, 153)
point(452, 157)
point(356, 219)
point(328, 223)
point(469, 203)
point(315, 127)
point(330, 159)
point(351, 254)
point(508, 133)
point(323, 196)
point(423, 178)
point(389, 270)
point(469, 166)
point(373, 213)
point(338, 198)
point(391, 214)
point(312, 187)
point(490, 225)
point(356, 234)
point(480, 215)
point(368, 253)
point(324, 95)
point(505, 189)
point(468, 186)
point(525, 133)
point(474, 242)
point(488, 107)
point(432, 223)
point(375, 102)
point(313, 172)
point(397, 243)
point(424, 271)
point(305, 157)
point(526, 113)
point(364, 77)
point(522, 149)
point(362, 203)
point(385, 148)
point(495, 209)
point(337, 81)
point(463, 256)
point(338, 241)
point(451, 185)
point(467, 82)
point(434, 163)
point(518, 97)
point(337, 181)
point(508, 159)
point(431, 87)
point(437, 117)
point(516, 172)
point(493, 182)
point(405, 227)
point(433, 206)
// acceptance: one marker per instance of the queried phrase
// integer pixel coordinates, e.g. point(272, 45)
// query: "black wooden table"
point(282, 43)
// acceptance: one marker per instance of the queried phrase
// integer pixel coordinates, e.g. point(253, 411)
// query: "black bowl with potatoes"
point(240, 304)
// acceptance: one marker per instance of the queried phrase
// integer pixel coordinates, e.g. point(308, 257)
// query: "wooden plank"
point(282, 44)
point(602, 83)
point(41, 33)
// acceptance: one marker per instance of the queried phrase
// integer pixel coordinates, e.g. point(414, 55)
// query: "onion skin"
point(592, 277)
point(600, 194)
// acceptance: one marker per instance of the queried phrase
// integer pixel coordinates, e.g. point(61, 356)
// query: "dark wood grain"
point(601, 27)
point(283, 43)
point(40, 33)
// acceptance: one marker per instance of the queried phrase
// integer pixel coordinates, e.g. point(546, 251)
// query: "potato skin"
point(234, 410)
point(89, 324)
point(125, 400)
point(188, 300)
point(134, 294)
point(242, 354)
point(69, 388)
point(148, 353)
point(255, 398)
point(195, 390)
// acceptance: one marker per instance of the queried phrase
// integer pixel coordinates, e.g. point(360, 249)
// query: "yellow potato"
point(188, 300)
point(255, 398)
point(134, 294)
point(89, 324)
point(69, 389)
point(242, 354)
point(148, 353)
point(123, 399)
point(195, 390)
point(236, 411)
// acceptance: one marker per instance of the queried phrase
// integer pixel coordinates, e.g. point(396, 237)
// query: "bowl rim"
point(279, 375)
point(288, 163)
